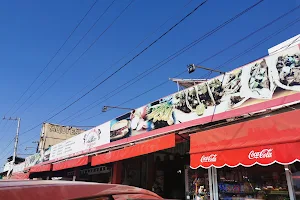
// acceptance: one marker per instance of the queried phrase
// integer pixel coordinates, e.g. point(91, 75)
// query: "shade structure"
point(261, 141)
point(149, 146)
point(75, 162)
point(41, 168)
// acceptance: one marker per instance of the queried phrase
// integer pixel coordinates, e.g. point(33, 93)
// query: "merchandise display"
point(257, 182)
point(198, 184)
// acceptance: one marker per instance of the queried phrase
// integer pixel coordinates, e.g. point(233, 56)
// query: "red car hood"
point(30, 189)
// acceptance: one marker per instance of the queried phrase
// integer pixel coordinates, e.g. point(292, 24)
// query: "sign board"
point(53, 134)
point(46, 154)
point(33, 160)
point(96, 170)
point(92, 171)
point(270, 82)
point(273, 81)
point(8, 166)
point(19, 167)
point(82, 143)
point(294, 41)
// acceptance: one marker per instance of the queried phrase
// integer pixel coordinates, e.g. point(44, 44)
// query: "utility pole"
point(17, 136)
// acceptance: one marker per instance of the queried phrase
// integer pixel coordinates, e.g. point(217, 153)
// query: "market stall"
point(250, 160)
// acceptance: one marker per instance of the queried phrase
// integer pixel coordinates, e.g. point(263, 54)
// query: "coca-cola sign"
point(210, 158)
point(265, 153)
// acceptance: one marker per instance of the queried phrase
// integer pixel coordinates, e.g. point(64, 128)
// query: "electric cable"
point(235, 57)
point(131, 51)
point(255, 45)
point(193, 43)
point(286, 47)
point(52, 58)
point(137, 55)
point(6, 130)
point(143, 93)
point(6, 147)
point(159, 65)
point(64, 59)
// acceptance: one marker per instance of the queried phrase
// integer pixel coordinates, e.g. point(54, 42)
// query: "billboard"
point(294, 41)
point(272, 81)
point(53, 134)
point(81, 143)
point(269, 79)
point(19, 167)
point(8, 166)
point(33, 160)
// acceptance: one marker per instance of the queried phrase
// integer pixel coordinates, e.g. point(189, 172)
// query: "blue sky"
point(32, 31)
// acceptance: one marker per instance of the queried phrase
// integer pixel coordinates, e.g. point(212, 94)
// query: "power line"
point(133, 98)
point(286, 47)
point(257, 44)
point(158, 65)
point(194, 42)
point(6, 147)
point(6, 155)
point(251, 34)
point(137, 55)
point(139, 44)
point(65, 58)
point(52, 58)
point(230, 60)
point(220, 66)
point(6, 130)
point(3, 125)
point(91, 45)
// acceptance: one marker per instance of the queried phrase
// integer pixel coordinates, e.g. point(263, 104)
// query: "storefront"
point(155, 164)
point(98, 174)
point(255, 159)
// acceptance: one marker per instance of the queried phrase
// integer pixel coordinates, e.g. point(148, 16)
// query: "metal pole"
point(215, 183)
point(16, 141)
point(210, 182)
point(209, 69)
point(289, 182)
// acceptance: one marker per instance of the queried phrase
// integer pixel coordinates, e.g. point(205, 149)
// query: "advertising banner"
point(33, 160)
point(8, 166)
point(81, 143)
point(273, 81)
point(19, 167)
point(266, 80)
point(53, 134)
point(46, 155)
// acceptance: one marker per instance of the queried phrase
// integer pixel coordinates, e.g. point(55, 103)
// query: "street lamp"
point(192, 68)
point(104, 109)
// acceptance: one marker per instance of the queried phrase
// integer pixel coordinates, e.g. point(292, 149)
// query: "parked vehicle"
point(67, 190)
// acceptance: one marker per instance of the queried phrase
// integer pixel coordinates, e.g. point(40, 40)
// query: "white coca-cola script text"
point(265, 153)
point(210, 158)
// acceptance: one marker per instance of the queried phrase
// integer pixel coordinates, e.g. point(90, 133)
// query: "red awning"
point(261, 141)
point(76, 162)
point(149, 146)
point(20, 175)
point(41, 168)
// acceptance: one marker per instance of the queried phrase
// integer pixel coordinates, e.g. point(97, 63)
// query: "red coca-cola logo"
point(265, 153)
point(210, 158)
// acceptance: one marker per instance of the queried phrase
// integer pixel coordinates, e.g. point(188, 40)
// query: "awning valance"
point(41, 168)
point(149, 146)
point(261, 141)
point(76, 162)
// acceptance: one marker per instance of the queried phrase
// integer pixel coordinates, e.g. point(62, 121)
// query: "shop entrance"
point(169, 172)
